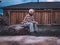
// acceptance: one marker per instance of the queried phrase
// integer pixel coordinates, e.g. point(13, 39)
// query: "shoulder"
point(33, 16)
point(27, 15)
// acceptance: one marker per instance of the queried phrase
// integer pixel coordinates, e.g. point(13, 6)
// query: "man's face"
point(31, 12)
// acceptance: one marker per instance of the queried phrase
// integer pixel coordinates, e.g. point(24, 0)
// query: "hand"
point(21, 22)
point(35, 22)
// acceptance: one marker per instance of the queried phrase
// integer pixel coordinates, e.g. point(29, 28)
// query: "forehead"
point(31, 10)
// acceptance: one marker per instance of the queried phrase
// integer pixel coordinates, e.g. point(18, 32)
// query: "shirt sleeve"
point(25, 18)
point(33, 18)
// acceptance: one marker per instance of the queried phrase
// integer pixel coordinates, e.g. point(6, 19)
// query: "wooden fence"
point(41, 16)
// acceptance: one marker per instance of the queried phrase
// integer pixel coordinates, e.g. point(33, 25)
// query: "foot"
point(32, 33)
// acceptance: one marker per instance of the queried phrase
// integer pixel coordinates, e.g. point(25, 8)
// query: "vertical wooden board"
point(53, 18)
point(39, 18)
point(13, 17)
point(59, 17)
point(22, 14)
point(19, 17)
point(44, 17)
point(56, 17)
point(41, 15)
point(35, 15)
point(49, 17)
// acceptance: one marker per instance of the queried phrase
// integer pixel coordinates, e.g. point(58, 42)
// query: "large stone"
point(28, 40)
point(18, 29)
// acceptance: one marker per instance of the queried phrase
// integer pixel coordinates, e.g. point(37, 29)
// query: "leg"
point(36, 27)
point(31, 27)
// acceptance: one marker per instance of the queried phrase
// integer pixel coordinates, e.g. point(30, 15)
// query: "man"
point(29, 21)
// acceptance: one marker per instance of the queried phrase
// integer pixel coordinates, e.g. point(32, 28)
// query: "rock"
point(19, 29)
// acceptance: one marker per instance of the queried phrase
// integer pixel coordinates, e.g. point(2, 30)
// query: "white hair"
point(31, 10)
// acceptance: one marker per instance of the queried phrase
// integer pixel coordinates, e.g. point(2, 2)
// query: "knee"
point(31, 23)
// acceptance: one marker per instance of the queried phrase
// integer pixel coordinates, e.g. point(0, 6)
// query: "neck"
point(30, 14)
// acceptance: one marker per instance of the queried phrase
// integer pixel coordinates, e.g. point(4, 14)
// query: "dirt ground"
point(11, 39)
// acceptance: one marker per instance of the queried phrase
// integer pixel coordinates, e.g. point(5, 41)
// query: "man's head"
point(31, 11)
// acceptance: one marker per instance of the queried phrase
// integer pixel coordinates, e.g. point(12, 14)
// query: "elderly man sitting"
point(29, 21)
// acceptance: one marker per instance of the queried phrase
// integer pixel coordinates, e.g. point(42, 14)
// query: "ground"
point(14, 40)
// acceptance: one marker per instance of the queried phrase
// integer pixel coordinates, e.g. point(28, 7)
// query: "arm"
point(34, 20)
point(24, 20)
